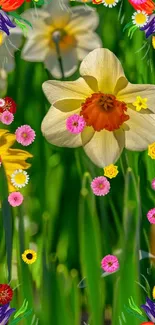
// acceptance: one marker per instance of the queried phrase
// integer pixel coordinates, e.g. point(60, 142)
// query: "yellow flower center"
point(140, 18)
point(109, 2)
point(20, 178)
point(64, 40)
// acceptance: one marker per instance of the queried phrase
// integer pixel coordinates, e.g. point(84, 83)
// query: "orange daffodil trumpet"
point(105, 99)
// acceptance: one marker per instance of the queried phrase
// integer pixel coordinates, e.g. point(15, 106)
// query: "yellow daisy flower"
point(29, 256)
point(111, 171)
point(12, 159)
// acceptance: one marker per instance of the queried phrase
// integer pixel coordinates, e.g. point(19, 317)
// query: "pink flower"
point(7, 117)
point(110, 263)
point(25, 135)
point(75, 123)
point(151, 215)
point(15, 199)
point(2, 102)
point(100, 186)
point(153, 184)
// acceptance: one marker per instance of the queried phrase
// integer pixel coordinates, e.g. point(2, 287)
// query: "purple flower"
point(5, 22)
point(149, 28)
point(5, 313)
point(149, 309)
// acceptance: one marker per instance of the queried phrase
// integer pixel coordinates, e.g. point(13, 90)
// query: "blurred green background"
point(70, 228)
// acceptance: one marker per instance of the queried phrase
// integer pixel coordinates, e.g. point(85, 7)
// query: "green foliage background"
point(74, 230)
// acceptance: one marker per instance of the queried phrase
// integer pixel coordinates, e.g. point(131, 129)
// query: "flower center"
point(104, 111)
point(64, 40)
point(24, 135)
point(110, 264)
point(29, 256)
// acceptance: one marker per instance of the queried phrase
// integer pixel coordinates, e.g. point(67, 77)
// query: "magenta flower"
point(25, 135)
point(151, 215)
point(15, 199)
point(75, 123)
point(100, 186)
point(153, 184)
point(7, 117)
point(110, 263)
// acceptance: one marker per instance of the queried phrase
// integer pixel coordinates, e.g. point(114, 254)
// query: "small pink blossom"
point(2, 102)
point(25, 135)
point(153, 184)
point(151, 215)
point(15, 199)
point(7, 118)
point(100, 186)
point(110, 263)
point(75, 123)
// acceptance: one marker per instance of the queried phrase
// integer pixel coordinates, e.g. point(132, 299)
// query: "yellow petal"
point(153, 41)
point(153, 292)
point(6, 141)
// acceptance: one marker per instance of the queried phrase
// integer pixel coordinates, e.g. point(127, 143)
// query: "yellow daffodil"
point(111, 171)
point(12, 159)
point(140, 103)
point(104, 98)
point(72, 29)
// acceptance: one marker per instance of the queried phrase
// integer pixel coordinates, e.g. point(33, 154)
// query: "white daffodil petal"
point(141, 132)
point(69, 63)
point(9, 46)
point(130, 93)
point(60, 13)
point(105, 147)
point(82, 20)
point(36, 50)
point(58, 90)
point(86, 43)
point(54, 129)
point(105, 67)
point(87, 135)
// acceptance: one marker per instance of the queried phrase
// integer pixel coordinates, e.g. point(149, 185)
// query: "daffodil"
point(12, 159)
point(58, 28)
point(8, 46)
point(104, 97)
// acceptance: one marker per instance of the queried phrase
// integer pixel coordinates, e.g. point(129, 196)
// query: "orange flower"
point(10, 5)
point(147, 5)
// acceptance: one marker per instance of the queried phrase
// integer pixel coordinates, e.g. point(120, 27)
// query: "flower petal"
point(141, 132)
point(54, 129)
point(6, 141)
point(60, 13)
point(130, 93)
point(82, 20)
point(86, 43)
point(105, 147)
point(36, 49)
point(69, 63)
point(58, 90)
point(105, 67)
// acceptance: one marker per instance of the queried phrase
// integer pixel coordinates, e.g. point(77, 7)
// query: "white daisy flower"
point(20, 178)
point(140, 18)
point(110, 3)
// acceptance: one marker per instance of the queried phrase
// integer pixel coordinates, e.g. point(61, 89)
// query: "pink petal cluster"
point(110, 263)
point(6, 117)
point(151, 215)
point(75, 124)
point(153, 184)
point(15, 199)
point(100, 186)
point(25, 135)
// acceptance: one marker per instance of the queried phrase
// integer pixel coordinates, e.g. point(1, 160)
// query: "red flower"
point(10, 105)
point(10, 5)
point(97, 1)
point(147, 323)
point(147, 5)
point(6, 294)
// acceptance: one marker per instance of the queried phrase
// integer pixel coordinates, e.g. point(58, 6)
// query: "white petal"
point(82, 20)
point(129, 94)
point(60, 13)
point(105, 147)
point(54, 129)
point(69, 62)
point(86, 43)
point(105, 67)
point(36, 50)
point(58, 90)
point(141, 132)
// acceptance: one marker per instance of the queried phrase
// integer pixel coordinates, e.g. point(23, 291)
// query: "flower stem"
point(59, 58)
